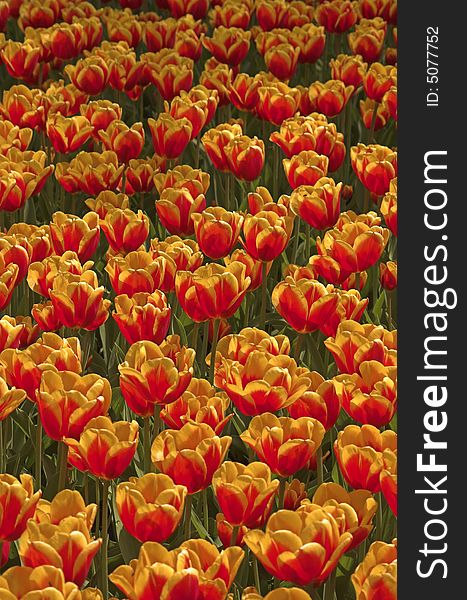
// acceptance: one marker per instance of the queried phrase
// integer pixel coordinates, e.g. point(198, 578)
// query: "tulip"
point(90, 74)
point(243, 92)
point(65, 504)
point(216, 140)
point(389, 207)
point(330, 98)
point(184, 255)
point(271, 14)
point(390, 102)
point(190, 455)
point(155, 374)
point(46, 316)
point(20, 58)
point(105, 449)
point(388, 479)
point(8, 278)
point(125, 230)
point(18, 502)
point(175, 208)
point(318, 204)
point(188, 44)
point(282, 593)
point(183, 176)
point(212, 291)
point(67, 42)
point(196, 570)
point(245, 157)
point(41, 274)
point(199, 403)
point(305, 168)
point(266, 234)
point(301, 547)
point(376, 576)
point(277, 102)
point(371, 119)
point(254, 268)
point(350, 306)
point(231, 14)
point(14, 136)
point(296, 135)
point(140, 173)
point(225, 531)
point(101, 113)
point(375, 166)
point(217, 231)
point(378, 80)
point(294, 493)
point(107, 201)
point(367, 40)
point(359, 452)
point(170, 73)
point(150, 506)
point(170, 136)
point(388, 275)
point(78, 300)
point(282, 60)
point(197, 8)
point(126, 142)
point(228, 45)
point(143, 316)
point(24, 107)
point(336, 16)
point(217, 77)
point(10, 332)
point(90, 172)
point(305, 304)
point(68, 401)
point(67, 546)
point(321, 401)
point(137, 272)
point(244, 493)
point(67, 134)
point(349, 69)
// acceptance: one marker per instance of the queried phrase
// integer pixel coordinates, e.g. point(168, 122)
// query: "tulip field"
point(198, 310)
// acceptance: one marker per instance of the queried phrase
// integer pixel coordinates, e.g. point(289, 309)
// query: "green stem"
point(98, 501)
point(227, 191)
point(264, 290)
point(296, 239)
point(157, 422)
point(215, 338)
point(256, 574)
point(330, 586)
point(246, 314)
point(188, 503)
point(373, 123)
point(275, 173)
point(205, 510)
point(389, 307)
point(62, 465)
point(38, 454)
point(194, 336)
point(204, 349)
point(307, 243)
point(319, 465)
point(147, 444)
point(379, 518)
point(298, 347)
point(105, 540)
point(280, 499)
point(233, 537)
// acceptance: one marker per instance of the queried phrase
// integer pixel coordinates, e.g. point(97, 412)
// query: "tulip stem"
point(38, 456)
point(280, 500)
point(204, 349)
point(357, 280)
point(233, 537)
point(330, 586)
point(194, 336)
point(298, 347)
point(147, 444)
point(264, 290)
point(275, 171)
point(157, 426)
point(256, 574)
point(379, 518)
point(296, 239)
point(307, 243)
point(389, 307)
point(373, 123)
point(188, 517)
point(62, 465)
point(213, 350)
point(205, 510)
point(105, 539)
point(227, 191)
point(319, 465)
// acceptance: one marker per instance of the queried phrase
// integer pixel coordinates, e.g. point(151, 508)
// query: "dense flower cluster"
point(198, 346)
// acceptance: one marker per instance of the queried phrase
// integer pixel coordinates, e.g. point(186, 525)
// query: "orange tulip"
point(140, 173)
point(190, 455)
point(254, 268)
point(388, 275)
point(105, 449)
point(271, 14)
point(23, 368)
point(296, 135)
point(376, 576)
point(68, 401)
point(389, 207)
point(212, 291)
point(101, 113)
point(378, 80)
point(8, 279)
point(367, 109)
point(350, 306)
point(231, 14)
point(160, 34)
point(42, 582)
point(46, 316)
point(24, 107)
point(243, 92)
point(336, 16)
point(155, 374)
point(90, 74)
point(301, 547)
point(170, 136)
point(125, 230)
point(107, 201)
point(14, 136)
point(184, 255)
point(195, 570)
point(201, 403)
point(150, 506)
point(217, 77)
point(41, 274)
point(195, 181)
point(318, 204)
point(78, 300)
point(228, 45)
point(216, 140)
point(375, 166)
point(330, 98)
point(321, 401)
point(126, 142)
point(137, 272)
point(18, 502)
point(197, 8)
point(266, 234)
point(390, 102)
point(245, 157)
point(67, 546)
point(294, 493)
point(305, 304)
point(10, 333)
point(20, 58)
point(282, 60)
point(388, 479)
point(311, 40)
point(67, 134)
point(349, 69)
point(217, 231)
point(277, 102)
point(281, 593)
point(359, 452)
point(305, 168)
point(175, 208)
point(196, 111)
point(143, 316)
point(169, 72)
point(38, 239)
point(263, 382)
point(244, 493)
point(67, 42)
point(90, 172)
point(65, 504)
point(225, 532)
